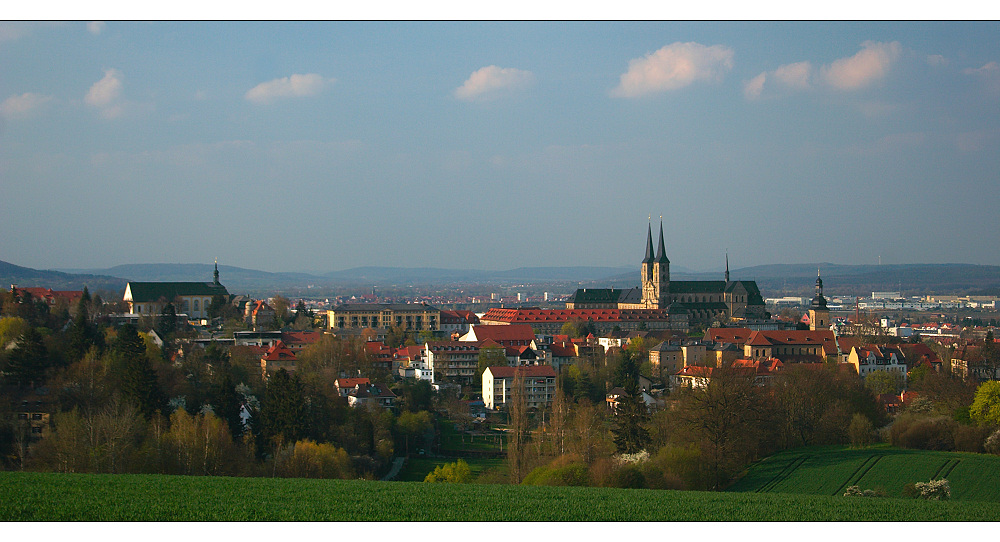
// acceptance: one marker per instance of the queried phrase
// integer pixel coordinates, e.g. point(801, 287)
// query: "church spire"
point(727, 266)
point(818, 300)
point(661, 253)
point(215, 275)
point(649, 245)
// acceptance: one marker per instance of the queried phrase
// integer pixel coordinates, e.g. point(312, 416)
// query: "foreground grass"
point(102, 497)
point(828, 470)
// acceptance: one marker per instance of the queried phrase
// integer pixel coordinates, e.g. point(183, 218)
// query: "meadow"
point(26, 496)
point(830, 470)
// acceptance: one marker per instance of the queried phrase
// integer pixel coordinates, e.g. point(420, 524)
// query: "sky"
point(320, 146)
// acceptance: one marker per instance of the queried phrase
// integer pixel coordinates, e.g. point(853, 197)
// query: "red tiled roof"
point(300, 337)
point(696, 370)
point(501, 334)
point(734, 335)
point(513, 316)
point(279, 352)
point(344, 383)
point(824, 338)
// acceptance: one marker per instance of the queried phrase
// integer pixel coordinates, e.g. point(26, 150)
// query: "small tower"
point(727, 267)
point(819, 315)
point(215, 275)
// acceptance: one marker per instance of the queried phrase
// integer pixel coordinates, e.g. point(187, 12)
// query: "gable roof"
point(503, 334)
point(824, 338)
point(734, 335)
point(279, 352)
point(147, 292)
point(529, 371)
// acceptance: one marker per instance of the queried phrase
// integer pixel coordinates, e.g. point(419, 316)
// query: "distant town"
point(500, 388)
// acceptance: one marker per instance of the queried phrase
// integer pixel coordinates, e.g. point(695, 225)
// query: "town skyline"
point(505, 145)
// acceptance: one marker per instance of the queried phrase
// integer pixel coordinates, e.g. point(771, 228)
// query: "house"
point(380, 355)
point(763, 370)
point(692, 376)
point(297, 341)
point(191, 298)
point(969, 362)
point(277, 357)
point(371, 394)
point(408, 316)
point(666, 358)
point(510, 335)
point(457, 321)
point(791, 346)
point(871, 358)
point(48, 295)
point(258, 314)
point(345, 385)
point(538, 385)
point(455, 360)
point(615, 395)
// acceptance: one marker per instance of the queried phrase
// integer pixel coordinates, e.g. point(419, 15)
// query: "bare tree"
point(517, 429)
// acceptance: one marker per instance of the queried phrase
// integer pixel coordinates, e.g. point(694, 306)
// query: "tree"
point(985, 409)
point(139, 382)
point(490, 356)
point(167, 322)
point(881, 382)
point(413, 424)
point(28, 361)
point(282, 411)
point(631, 416)
point(517, 429)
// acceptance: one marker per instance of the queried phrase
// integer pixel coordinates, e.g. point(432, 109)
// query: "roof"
point(300, 337)
point(350, 382)
point(502, 334)
point(528, 316)
point(146, 292)
point(458, 317)
point(824, 338)
point(735, 335)
point(397, 307)
point(279, 352)
point(367, 389)
point(696, 371)
point(529, 371)
point(562, 350)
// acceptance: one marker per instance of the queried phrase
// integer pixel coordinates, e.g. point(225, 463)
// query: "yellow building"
point(411, 317)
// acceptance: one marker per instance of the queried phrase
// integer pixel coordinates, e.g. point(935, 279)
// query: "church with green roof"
point(702, 300)
point(190, 298)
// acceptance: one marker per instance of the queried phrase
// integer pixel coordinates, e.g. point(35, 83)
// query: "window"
point(196, 307)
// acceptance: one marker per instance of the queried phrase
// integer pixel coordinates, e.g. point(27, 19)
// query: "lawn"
point(458, 441)
point(104, 497)
point(829, 470)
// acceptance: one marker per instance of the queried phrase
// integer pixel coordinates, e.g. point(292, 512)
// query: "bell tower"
point(819, 315)
point(661, 273)
point(648, 283)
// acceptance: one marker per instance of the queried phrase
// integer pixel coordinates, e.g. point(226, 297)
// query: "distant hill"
point(31, 278)
point(799, 279)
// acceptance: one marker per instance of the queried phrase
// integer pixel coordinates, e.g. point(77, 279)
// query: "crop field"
point(104, 497)
point(829, 470)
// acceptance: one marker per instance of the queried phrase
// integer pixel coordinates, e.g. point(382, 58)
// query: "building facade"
point(538, 386)
point(411, 317)
point(190, 298)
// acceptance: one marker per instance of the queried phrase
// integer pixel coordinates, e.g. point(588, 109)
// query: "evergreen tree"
point(282, 412)
point(139, 382)
point(28, 361)
point(629, 428)
point(167, 323)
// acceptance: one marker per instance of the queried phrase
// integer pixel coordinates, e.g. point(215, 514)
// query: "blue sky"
point(320, 146)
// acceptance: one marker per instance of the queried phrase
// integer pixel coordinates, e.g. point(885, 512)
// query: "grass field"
point(829, 470)
point(96, 497)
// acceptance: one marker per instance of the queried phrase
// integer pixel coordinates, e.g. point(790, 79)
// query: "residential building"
point(791, 346)
point(345, 385)
point(538, 386)
point(866, 360)
point(455, 360)
point(258, 314)
point(48, 295)
point(457, 321)
point(371, 394)
point(277, 357)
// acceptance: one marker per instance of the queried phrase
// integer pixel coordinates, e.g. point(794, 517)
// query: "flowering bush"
point(856, 491)
point(993, 443)
point(636, 458)
point(935, 490)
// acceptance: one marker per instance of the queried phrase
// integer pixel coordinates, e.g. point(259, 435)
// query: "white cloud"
point(493, 81)
point(674, 66)
point(95, 27)
point(19, 106)
point(988, 69)
point(295, 86)
point(105, 91)
point(753, 87)
point(795, 75)
point(862, 69)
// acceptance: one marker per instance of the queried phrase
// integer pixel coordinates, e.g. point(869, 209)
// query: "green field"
point(102, 497)
point(829, 470)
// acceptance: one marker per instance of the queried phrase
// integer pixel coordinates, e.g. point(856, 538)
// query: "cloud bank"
point(492, 82)
point(295, 86)
point(674, 66)
point(19, 106)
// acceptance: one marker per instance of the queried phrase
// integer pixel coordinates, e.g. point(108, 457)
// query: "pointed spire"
point(215, 275)
point(661, 252)
point(649, 245)
point(727, 266)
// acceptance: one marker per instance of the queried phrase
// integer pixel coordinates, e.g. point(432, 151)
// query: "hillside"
point(27, 277)
point(28, 496)
point(829, 470)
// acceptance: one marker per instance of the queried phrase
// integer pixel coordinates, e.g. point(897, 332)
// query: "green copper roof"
point(146, 292)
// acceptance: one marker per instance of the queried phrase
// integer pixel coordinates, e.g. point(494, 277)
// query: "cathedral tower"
point(648, 287)
point(661, 273)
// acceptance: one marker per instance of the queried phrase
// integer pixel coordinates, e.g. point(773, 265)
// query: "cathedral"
point(701, 300)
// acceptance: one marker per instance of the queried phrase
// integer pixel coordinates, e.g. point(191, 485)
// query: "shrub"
point(935, 490)
point(923, 433)
point(628, 476)
point(969, 438)
point(856, 491)
point(861, 431)
point(455, 473)
point(993, 443)
point(565, 470)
